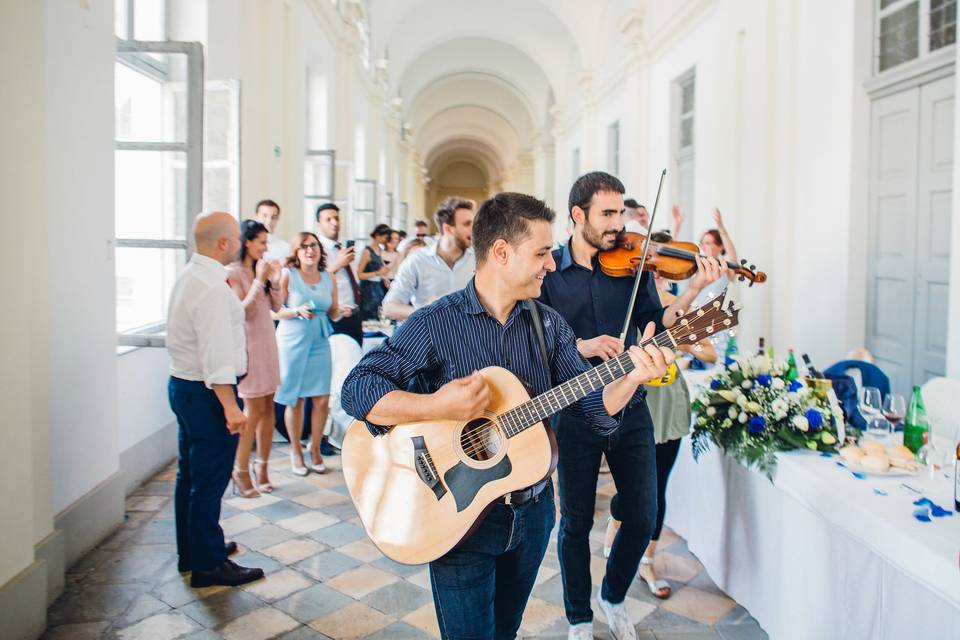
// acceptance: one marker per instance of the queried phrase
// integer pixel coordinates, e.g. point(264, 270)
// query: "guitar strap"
point(541, 341)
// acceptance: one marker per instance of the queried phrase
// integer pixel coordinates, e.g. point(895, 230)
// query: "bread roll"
point(852, 453)
point(872, 462)
point(872, 447)
point(899, 452)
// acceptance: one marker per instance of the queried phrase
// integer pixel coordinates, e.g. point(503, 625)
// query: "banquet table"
point(818, 552)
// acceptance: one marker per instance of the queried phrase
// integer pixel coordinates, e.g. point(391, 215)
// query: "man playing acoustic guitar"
point(481, 587)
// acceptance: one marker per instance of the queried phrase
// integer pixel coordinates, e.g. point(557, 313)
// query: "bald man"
point(207, 345)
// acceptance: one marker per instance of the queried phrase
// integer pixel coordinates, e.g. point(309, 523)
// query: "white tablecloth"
point(818, 553)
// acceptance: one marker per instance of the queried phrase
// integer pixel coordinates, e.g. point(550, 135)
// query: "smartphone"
point(349, 244)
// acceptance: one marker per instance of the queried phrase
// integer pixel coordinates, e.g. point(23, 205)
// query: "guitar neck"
point(541, 407)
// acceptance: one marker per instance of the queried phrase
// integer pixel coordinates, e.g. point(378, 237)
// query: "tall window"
point(684, 103)
point(911, 29)
point(158, 100)
point(613, 148)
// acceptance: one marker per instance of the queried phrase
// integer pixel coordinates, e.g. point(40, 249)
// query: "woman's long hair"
point(250, 230)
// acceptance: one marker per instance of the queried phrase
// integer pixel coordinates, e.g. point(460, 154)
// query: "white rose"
point(778, 384)
point(711, 411)
point(801, 423)
point(746, 384)
point(732, 412)
point(742, 418)
point(734, 366)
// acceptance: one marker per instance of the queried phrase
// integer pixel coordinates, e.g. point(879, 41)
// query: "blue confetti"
point(922, 514)
point(935, 510)
point(880, 492)
point(858, 475)
point(841, 465)
point(825, 454)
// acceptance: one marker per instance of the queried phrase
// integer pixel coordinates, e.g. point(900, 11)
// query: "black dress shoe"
point(229, 574)
point(327, 449)
point(230, 548)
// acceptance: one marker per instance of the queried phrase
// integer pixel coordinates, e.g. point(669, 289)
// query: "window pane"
point(943, 23)
point(686, 132)
point(318, 176)
point(687, 95)
point(149, 20)
point(150, 98)
point(151, 194)
point(145, 278)
point(120, 18)
point(899, 36)
point(886, 3)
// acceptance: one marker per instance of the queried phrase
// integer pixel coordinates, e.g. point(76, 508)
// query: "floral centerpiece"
point(752, 410)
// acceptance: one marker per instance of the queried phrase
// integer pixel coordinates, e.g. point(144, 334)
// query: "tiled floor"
point(326, 580)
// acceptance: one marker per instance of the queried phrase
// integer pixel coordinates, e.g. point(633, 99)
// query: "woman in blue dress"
point(310, 300)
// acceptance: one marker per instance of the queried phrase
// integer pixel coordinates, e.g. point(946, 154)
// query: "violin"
point(673, 260)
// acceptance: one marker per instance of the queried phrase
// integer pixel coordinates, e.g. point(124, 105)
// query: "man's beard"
point(596, 239)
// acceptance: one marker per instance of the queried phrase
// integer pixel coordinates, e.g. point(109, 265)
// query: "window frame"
point(129, 52)
point(924, 52)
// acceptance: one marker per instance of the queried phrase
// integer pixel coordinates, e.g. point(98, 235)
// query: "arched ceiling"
point(477, 79)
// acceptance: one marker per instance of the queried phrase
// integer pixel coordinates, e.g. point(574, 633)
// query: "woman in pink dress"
point(257, 283)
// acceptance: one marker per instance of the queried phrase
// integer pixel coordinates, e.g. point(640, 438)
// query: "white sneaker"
point(582, 631)
point(621, 627)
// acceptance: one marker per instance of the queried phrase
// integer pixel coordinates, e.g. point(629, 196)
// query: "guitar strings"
point(473, 444)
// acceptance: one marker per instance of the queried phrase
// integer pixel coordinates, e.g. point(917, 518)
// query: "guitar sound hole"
point(480, 440)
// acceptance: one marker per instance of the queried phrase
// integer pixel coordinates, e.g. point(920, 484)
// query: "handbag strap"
point(541, 341)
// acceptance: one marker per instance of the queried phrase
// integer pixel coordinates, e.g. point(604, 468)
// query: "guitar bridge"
point(425, 467)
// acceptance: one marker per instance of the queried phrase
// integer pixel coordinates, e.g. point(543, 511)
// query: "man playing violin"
point(481, 587)
point(595, 306)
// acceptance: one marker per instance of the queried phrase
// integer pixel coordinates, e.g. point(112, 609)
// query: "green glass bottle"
point(915, 423)
point(792, 373)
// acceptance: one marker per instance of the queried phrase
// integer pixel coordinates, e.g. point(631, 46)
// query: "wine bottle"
point(792, 373)
point(915, 423)
point(812, 371)
point(731, 351)
point(761, 350)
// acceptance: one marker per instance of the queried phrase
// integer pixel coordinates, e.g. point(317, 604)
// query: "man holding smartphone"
point(339, 258)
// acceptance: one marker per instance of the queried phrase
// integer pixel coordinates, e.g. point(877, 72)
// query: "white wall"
point(83, 363)
point(142, 406)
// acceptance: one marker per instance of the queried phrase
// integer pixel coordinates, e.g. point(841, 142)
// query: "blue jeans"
point(630, 455)
point(480, 589)
point(207, 451)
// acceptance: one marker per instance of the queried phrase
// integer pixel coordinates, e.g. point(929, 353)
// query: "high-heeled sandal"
point(659, 588)
point(297, 469)
point(317, 467)
point(235, 476)
point(264, 487)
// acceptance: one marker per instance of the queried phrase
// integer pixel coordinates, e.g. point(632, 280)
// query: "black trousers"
point(666, 456)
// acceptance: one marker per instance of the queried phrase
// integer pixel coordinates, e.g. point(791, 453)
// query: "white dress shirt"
point(424, 276)
point(205, 335)
point(331, 249)
point(277, 248)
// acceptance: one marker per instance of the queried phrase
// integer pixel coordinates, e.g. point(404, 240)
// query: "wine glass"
point(894, 409)
point(872, 409)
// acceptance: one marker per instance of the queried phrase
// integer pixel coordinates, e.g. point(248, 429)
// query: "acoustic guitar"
point(423, 487)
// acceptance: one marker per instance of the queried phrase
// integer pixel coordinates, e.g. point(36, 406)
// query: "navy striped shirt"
point(455, 336)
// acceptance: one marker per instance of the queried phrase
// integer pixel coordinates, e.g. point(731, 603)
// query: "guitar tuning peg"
point(710, 295)
point(693, 337)
point(741, 279)
point(731, 333)
point(743, 261)
point(753, 267)
point(698, 348)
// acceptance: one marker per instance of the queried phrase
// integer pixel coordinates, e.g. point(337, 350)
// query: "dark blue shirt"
point(595, 304)
point(455, 336)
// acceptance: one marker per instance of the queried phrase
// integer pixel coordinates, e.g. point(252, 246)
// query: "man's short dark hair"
point(324, 207)
point(507, 216)
point(631, 203)
point(403, 234)
point(266, 202)
point(420, 223)
point(447, 209)
point(586, 186)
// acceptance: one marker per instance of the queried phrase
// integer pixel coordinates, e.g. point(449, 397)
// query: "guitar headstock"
point(714, 316)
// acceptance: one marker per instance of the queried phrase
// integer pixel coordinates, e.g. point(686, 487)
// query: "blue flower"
point(764, 379)
point(795, 386)
point(757, 424)
point(715, 384)
point(815, 419)
point(728, 361)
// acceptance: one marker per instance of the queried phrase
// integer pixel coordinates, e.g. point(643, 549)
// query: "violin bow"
point(643, 260)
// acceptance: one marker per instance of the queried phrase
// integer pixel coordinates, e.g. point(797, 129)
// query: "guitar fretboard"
point(546, 404)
